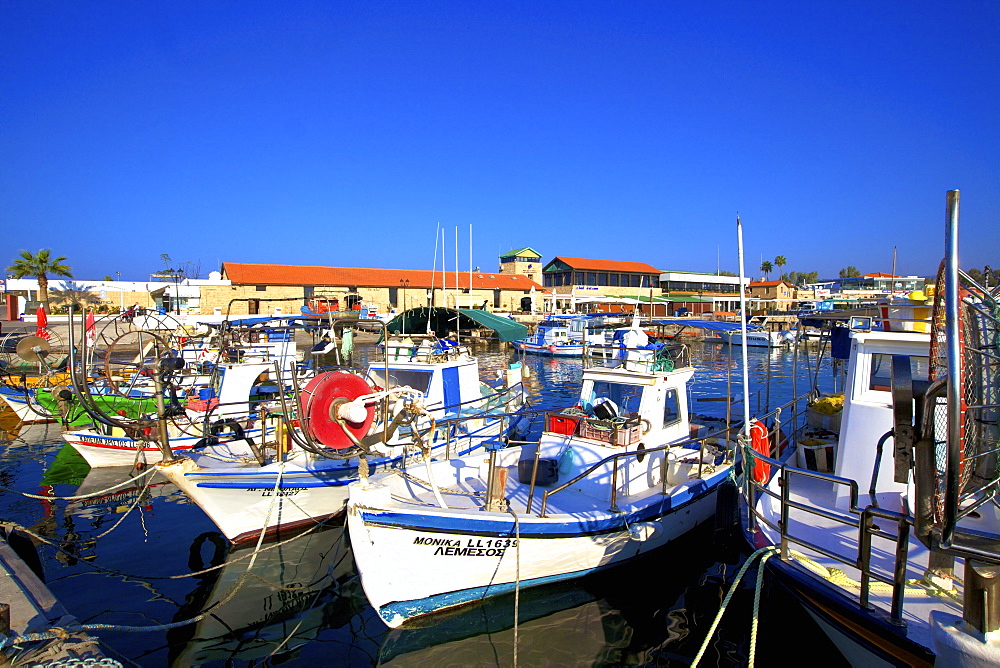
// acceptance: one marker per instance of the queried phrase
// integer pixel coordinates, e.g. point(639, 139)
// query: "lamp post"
point(121, 292)
point(403, 284)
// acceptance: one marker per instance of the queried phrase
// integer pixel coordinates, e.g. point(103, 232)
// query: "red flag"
point(42, 322)
point(90, 329)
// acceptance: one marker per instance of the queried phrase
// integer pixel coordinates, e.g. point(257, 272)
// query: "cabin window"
point(417, 379)
point(626, 397)
point(671, 408)
point(881, 373)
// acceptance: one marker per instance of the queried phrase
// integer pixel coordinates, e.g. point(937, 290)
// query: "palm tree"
point(780, 262)
point(40, 265)
point(766, 267)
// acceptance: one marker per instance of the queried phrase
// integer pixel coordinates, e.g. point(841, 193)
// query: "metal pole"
point(743, 331)
point(955, 379)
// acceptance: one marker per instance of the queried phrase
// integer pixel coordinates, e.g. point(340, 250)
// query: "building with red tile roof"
point(253, 285)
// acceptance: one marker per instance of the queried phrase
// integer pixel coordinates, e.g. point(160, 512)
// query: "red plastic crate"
point(563, 424)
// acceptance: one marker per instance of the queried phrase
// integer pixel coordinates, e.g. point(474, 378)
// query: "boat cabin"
point(868, 412)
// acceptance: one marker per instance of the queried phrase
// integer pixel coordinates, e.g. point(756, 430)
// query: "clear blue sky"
point(342, 133)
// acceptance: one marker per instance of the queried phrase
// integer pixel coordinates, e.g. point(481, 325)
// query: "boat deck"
point(840, 538)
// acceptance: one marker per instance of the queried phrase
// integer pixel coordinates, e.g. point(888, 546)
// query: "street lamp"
point(403, 284)
point(121, 292)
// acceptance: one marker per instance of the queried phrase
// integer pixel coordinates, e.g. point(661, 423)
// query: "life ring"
point(761, 445)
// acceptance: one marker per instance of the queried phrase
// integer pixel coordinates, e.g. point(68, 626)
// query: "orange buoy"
point(761, 445)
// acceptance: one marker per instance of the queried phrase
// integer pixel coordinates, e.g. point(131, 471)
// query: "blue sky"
point(342, 133)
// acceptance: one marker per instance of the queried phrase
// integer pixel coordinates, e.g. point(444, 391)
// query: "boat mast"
point(430, 300)
point(743, 331)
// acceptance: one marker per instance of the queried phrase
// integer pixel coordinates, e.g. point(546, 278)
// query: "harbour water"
point(149, 564)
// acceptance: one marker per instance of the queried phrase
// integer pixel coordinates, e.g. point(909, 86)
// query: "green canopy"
point(441, 320)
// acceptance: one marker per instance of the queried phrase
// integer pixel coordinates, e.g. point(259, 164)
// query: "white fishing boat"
point(349, 419)
point(229, 416)
point(889, 533)
point(551, 338)
point(616, 478)
point(758, 335)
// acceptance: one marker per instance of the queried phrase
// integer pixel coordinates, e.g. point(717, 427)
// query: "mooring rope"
point(79, 497)
point(517, 577)
point(764, 553)
point(112, 571)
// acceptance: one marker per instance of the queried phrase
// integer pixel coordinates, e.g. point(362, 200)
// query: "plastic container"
point(562, 424)
point(819, 455)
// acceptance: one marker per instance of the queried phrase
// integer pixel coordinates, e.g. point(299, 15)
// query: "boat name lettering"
point(270, 491)
point(470, 551)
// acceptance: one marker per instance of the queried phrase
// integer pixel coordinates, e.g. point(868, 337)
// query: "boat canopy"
point(441, 320)
point(710, 325)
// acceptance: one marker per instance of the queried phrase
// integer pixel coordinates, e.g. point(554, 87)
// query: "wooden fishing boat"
point(616, 478)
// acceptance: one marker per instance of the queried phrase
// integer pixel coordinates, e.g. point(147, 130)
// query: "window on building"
point(613, 280)
point(261, 288)
point(602, 278)
point(591, 278)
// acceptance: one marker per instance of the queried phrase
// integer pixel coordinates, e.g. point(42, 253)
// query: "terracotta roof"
point(765, 284)
point(879, 274)
point(241, 273)
point(607, 265)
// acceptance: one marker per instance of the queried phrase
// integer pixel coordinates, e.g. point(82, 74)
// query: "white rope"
point(517, 577)
point(81, 497)
point(267, 518)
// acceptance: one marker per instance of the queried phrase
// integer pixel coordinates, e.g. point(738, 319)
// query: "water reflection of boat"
point(558, 625)
point(108, 490)
point(290, 592)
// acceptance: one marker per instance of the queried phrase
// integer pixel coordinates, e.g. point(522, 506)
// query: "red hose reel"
point(332, 394)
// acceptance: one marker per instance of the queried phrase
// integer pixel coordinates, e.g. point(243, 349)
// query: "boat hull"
point(552, 350)
point(417, 564)
point(100, 451)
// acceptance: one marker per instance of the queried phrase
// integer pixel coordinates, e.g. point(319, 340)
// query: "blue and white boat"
point(305, 472)
point(567, 337)
point(610, 480)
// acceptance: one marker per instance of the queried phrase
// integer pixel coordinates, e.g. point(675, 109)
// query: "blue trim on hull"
point(505, 528)
point(425, 606)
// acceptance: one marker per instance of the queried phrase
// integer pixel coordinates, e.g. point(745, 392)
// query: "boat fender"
point(567, 461)
point(761, 445)
point(232, 425)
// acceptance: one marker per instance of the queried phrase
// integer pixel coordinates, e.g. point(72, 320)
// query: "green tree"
point(40, 265)
point(767, 268)
point(849, 272)
point(800, 277)
point(780, 262)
